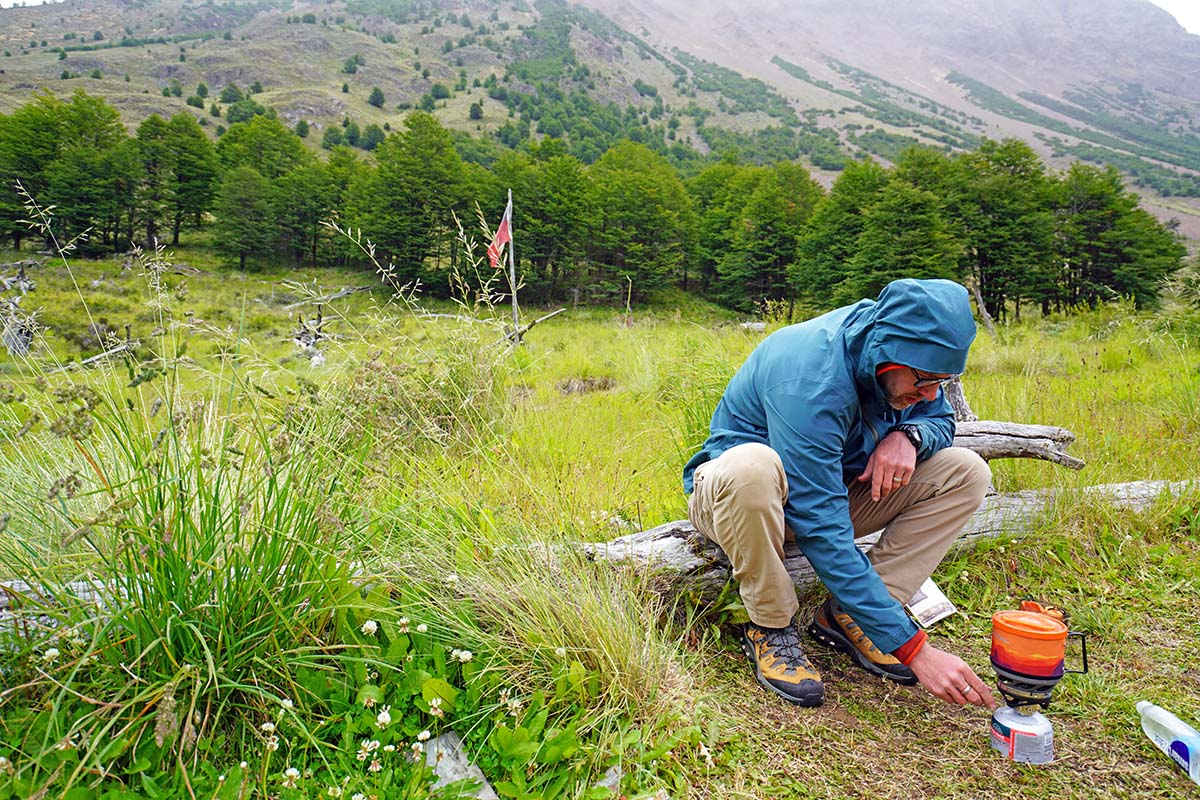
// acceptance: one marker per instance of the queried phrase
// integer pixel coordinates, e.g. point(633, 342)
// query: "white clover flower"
point(374, 766)
point(243, 764)
point(51, 655)
point(452, 580)
point(333, 791)
point(389, 748)
point(220, 779)
point(370, 627)
point(423, 736)
point(422, 628)
point(367, 747)
point(560, 652)
point(384, 718)
point(286, 704)
point(403, 623)
point(462, 655)
point(417, 751)
point(358, 796)
point(267, 727)
point(272, 743)
point(290, 776)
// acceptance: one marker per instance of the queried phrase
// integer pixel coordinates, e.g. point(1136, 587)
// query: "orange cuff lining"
point(909, 649)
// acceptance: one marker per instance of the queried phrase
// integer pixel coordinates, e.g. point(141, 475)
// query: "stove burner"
point(1024, 690)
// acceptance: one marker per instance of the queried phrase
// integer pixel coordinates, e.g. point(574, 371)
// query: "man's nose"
point(929, 392)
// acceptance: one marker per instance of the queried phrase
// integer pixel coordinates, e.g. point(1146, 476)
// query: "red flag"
point(503, 234)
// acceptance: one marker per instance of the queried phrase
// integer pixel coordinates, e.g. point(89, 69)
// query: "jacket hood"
point(926, 324)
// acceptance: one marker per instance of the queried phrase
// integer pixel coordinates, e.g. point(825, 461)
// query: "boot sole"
point(817, 699)
point(839, 642)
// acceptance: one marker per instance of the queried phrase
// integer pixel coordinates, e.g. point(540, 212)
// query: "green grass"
point(257, 510)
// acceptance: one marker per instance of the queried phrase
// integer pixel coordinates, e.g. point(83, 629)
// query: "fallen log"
point(681, 560)
point(992, 439)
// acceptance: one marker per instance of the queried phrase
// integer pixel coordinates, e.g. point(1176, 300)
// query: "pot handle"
point(1083, 644)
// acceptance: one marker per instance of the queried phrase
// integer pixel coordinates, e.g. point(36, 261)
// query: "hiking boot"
point(780, 664)
point(834, 627)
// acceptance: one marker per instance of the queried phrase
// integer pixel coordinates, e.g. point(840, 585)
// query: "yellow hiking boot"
point(834, 627)
point(780, 664)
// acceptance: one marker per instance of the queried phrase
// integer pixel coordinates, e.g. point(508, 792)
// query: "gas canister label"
point(1030, 747)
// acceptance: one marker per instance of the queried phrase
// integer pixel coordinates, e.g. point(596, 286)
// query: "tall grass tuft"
point(184, 566)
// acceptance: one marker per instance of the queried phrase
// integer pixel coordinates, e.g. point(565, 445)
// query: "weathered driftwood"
point(992, 439)
point(684, 561)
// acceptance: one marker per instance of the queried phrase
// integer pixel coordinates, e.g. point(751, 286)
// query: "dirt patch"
point(585, 385)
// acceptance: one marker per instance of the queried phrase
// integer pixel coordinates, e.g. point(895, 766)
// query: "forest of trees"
point(995, 217)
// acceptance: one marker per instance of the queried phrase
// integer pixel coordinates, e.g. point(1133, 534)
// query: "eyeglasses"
point(921, 381)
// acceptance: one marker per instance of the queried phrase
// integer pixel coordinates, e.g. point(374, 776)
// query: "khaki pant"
point(738, 503)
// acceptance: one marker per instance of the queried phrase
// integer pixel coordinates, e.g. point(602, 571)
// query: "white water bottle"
point(1180, 741)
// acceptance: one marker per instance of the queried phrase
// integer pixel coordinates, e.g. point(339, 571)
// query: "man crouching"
point(835, 428)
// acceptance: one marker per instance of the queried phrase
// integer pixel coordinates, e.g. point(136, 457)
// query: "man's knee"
point(752, 471)
point(968, 469)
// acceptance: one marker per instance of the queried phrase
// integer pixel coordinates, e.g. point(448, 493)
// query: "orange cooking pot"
point(1032, 642)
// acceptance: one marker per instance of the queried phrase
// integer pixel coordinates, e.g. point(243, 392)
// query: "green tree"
point(904, 235)
point(405, 205)
point(718, 193)
point(302, 129)
point(372, 137)
point(999, 199)
point(263, 143)
point(1107, 246)
point(155, 189)
point(301, 200)
point(766, 232)
point(829, 241)
point(376, 98)
point(85, 185)
point(332, 137)
point(645, 228)
point(475, 112)
point(42, 132)
point(244, 226)
point(193, 173)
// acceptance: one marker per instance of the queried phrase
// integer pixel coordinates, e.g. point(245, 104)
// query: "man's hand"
point(890, 466)
point(947, 676)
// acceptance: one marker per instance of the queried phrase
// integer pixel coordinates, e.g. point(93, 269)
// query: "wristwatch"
point(912, 432)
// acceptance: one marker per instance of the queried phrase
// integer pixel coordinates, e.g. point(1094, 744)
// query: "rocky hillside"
point(1108, 81)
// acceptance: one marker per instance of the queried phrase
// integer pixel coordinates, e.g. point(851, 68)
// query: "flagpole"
point(512, 276)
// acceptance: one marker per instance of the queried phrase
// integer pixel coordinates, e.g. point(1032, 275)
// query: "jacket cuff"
point(909, 649)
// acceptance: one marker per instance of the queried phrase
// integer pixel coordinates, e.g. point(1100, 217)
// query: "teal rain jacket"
point(809, 392)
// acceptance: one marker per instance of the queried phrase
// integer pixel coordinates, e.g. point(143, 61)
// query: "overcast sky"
point(1186, 11)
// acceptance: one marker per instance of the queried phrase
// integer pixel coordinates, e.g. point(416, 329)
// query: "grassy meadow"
point(304, 570)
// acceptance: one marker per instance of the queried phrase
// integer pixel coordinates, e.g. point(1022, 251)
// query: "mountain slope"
point(1109, 80)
